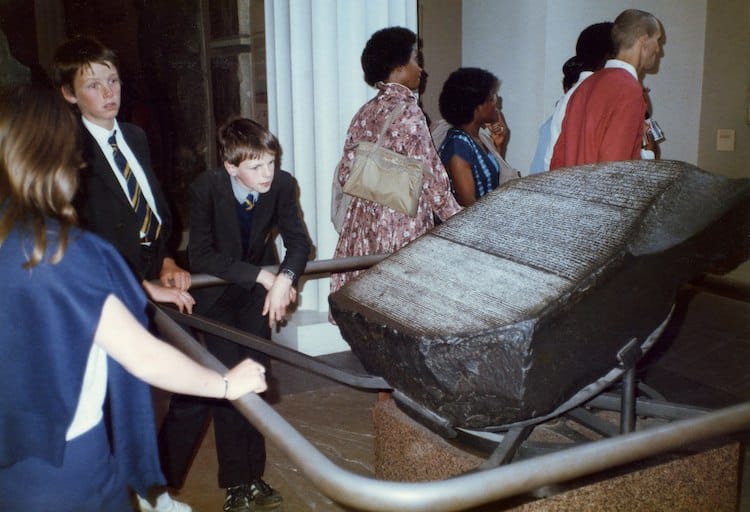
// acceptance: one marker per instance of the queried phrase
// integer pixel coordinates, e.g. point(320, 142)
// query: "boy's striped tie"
point(150, 226)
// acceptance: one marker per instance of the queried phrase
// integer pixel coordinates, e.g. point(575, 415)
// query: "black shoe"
point(263, 495)
point(238, 499)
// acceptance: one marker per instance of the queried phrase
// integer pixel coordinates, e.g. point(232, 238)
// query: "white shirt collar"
point(101, 135)
point(584, 75)
point(616, 63)
point(241, 191)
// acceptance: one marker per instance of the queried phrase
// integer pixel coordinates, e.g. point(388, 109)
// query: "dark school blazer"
point(215, 245)
point(104, 208)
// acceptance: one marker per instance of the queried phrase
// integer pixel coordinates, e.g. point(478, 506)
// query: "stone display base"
point(703, 481)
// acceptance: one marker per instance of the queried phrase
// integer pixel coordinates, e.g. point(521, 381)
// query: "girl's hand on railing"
point(247, 377)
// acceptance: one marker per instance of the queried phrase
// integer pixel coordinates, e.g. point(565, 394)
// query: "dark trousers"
point(240, 448)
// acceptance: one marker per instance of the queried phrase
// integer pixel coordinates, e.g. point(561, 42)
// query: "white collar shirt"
point(102, 135)
point(621, 64)
point(240, 191)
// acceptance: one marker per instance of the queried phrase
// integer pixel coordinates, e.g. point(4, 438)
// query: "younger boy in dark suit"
point(235, 213)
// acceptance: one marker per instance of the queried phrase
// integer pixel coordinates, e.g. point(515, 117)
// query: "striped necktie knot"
point(250, 202)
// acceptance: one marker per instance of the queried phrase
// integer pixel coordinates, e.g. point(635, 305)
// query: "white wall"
point(526, 43)
point(726, 87)
point(440, 31)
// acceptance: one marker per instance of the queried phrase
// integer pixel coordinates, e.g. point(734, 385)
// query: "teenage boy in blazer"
point(86, 72)
point(236, 212)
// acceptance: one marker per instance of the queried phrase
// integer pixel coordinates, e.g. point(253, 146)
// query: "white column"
point(315, 86)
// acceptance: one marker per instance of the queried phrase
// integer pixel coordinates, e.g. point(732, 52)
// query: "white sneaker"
point(164, 503)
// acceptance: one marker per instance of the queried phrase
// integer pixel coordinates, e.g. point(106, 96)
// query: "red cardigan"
point(603, 122)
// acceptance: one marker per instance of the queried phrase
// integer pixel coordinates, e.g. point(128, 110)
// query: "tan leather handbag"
point(386, 177)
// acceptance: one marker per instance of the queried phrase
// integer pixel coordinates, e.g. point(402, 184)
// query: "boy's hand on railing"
point(174, 276)
point(278, 298)
point(180, 298)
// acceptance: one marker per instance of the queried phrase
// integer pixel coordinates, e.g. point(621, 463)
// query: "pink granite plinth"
point(702, 481)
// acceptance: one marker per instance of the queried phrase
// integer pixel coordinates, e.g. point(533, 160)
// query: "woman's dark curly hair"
point(463, 91)
point(386, 50)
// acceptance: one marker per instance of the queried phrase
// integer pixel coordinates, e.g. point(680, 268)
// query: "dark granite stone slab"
point(516, 304)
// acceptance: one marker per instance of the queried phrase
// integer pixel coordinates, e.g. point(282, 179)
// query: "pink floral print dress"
point(369, 227)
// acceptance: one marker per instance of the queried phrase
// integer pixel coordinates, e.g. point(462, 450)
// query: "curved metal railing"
point(455, 493)
point(316, 267)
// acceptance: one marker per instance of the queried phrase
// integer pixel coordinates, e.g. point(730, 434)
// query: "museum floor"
point(703, 359)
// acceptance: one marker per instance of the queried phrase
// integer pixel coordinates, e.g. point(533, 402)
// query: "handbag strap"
point(388, 121)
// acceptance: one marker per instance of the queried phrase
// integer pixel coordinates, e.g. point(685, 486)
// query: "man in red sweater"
point(605, 116)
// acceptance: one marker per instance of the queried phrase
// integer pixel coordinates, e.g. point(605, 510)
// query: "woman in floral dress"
point(389, 61)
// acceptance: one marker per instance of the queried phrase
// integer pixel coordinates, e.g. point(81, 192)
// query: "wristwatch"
point(288, 273)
